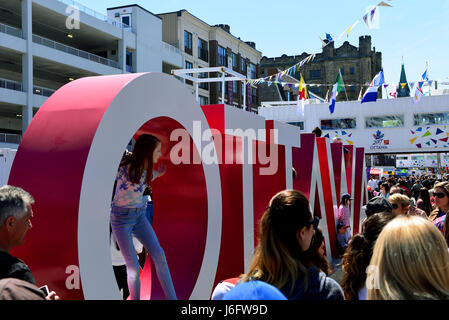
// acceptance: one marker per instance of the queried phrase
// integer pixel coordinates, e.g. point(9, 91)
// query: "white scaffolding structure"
point(226, 75)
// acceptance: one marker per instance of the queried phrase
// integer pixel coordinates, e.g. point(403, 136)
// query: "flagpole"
point(339, 71)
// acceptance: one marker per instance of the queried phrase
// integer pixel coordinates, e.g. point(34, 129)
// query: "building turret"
point(364, 45)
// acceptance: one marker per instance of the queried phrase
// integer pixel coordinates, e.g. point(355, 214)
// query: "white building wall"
point(374, 140)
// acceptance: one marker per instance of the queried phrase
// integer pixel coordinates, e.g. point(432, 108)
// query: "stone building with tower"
point(358, 67)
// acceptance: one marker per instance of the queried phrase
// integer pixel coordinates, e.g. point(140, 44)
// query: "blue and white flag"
point(371, 93)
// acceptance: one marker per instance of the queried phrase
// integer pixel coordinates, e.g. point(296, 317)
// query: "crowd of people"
point(401, 252)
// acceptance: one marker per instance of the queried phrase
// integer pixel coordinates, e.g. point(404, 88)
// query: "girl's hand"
point(161, 169)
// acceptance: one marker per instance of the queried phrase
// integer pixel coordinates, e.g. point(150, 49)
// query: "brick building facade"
point(203, 45)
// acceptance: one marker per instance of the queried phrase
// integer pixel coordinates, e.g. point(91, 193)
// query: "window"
point(299, 124)
point(352, 88)
point(351, 70)
point(423, 119)
point(203, 54)
point(129, 58)
point(254, 96)
point(204, 100)
point(385, 122)
point(243, 65)
point(189, 65)
point(252, 70)
point(126, 20)
point(234, 86)
point(129, 61)
point(432, 158)
point(401, 157)
point(187, 42)
point(315, 74)
point(203, 85)
point(222, 59)
point(347, 123)
point(342, 71)
point(234, 60)
point(418, 158)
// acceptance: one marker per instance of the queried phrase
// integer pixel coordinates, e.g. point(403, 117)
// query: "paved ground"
point(338, 273)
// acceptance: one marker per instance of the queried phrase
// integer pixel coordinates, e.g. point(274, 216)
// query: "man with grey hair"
point(15, 221)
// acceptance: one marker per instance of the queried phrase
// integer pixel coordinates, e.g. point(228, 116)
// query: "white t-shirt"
point(116, 255)
point(372, 184)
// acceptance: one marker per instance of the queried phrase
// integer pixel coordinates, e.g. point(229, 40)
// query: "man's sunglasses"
point(315, 221)
point(440, 195)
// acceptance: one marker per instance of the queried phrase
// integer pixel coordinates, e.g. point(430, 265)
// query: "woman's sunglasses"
point(314, 222)
point(440, 195)
point(395, 205)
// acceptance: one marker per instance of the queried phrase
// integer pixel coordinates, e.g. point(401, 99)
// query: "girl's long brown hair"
point(359, 252)
point(278, 259)
point(142, 152)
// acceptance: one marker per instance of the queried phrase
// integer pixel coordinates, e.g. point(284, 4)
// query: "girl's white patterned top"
point(128, 194)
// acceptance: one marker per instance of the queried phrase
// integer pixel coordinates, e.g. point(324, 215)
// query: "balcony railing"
point(76, 52)
point(10, 138)
point(11, 85)
point(41, 91)
point(170, 47)
point(95, 14)
point(11, 30)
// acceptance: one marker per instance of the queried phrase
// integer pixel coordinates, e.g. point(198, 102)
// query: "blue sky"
point(412, 29)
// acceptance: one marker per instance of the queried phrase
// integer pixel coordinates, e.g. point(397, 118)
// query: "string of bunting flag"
point(368, 18)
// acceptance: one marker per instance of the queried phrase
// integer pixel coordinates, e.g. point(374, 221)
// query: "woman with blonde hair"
point(410, 262)
point(285, 233)
point(400, 204)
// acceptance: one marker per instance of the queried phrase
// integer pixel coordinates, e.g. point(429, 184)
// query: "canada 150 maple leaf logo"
point(378, 139)
point(378, 135)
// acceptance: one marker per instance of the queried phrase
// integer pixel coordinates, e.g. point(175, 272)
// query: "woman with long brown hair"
point(423, 201)
point(128, 214)
point(285, 232)
point(358, 255)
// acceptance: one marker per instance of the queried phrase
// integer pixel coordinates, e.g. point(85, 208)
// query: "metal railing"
point(41, 91)
point(95, 14)
point(10, 138)
point(76, 52)
point(11, 30)
point(11, 85)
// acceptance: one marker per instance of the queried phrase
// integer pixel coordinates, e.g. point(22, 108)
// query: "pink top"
point(344, 214)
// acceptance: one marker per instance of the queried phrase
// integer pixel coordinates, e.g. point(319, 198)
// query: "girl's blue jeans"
point(127, 222)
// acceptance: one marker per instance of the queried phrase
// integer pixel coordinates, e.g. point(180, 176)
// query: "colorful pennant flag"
point(418, 93)
point(302, 95)
point(383, 4)
point(351, 27)
point(371, 93)
point(338, 86)
point(360, 94)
